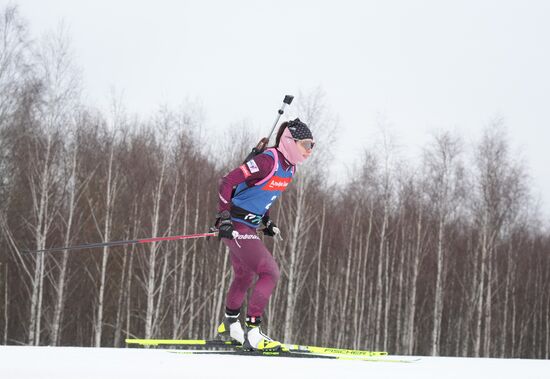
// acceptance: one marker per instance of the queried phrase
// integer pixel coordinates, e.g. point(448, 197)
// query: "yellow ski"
point(230, 344)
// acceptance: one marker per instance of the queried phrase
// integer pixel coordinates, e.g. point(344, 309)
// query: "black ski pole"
point(260, 147)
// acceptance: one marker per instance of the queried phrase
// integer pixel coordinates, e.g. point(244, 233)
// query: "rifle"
point(260, 147)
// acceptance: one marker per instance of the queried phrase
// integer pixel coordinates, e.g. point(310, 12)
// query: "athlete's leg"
point(242, 280)
point(251, 256)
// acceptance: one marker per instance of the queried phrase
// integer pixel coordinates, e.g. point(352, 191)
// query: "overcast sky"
point(419, 65)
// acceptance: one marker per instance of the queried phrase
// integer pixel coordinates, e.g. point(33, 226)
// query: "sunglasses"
point(308, 145)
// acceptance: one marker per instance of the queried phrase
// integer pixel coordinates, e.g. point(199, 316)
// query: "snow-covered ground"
point(20, 362)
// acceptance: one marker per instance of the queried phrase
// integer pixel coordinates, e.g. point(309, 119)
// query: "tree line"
point(444, 256)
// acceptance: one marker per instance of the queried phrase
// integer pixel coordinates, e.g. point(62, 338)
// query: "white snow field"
point(22, 362)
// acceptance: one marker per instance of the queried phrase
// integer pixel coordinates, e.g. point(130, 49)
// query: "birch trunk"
point(193, 278)
point(411, 308)
point(380, 277)
point(152, 259)
point(121, 295)
point(317, 302)
point(364, 296)
point(41, 203)
point(387, 297)
point(295, 257)
point(291, 270)
point(62, 278)
point(488, 303)
point(400, 288)
point(109, 204)
point(357, 316)
point(343, 330)
point(129, 292)
point(179, 269)
point(129, 277)
point(438, 298)
point(481, 288)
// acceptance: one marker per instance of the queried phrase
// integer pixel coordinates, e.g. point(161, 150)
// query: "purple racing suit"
point(249, 256)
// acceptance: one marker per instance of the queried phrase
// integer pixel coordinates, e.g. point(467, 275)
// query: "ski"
point(287, 354)
point(233, 344)
point(186, 343)
point(295, 354)
point(334, 350)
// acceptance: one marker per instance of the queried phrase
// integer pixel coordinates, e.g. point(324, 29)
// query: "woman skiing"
point(258, 183)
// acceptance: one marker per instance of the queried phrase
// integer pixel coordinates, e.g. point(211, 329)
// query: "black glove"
point(270, 229)
point(225, 225)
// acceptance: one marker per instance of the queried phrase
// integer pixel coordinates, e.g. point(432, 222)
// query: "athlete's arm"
point(251, 172)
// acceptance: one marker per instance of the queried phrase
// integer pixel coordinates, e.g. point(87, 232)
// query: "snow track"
point(21, 362)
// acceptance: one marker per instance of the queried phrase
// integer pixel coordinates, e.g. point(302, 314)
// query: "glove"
point(225, 226)
point(270, 229)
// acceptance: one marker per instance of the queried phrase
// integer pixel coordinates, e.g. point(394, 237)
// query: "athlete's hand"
point(270, 229)
point(225, 226)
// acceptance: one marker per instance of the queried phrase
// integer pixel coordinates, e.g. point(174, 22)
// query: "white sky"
point(420, 65)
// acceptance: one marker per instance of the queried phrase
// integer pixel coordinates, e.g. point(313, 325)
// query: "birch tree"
point(110, 190)
point(444, 174)
point(500, 193)
point(386, 196)
point(60, 83)
point(60, 284)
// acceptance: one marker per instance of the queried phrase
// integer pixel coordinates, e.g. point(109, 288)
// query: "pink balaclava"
point(296, 130)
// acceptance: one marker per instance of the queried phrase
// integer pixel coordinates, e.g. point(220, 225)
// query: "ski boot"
point(231, 329)
point(255, 340)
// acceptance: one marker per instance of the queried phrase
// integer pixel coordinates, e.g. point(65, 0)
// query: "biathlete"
point(259, 182)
